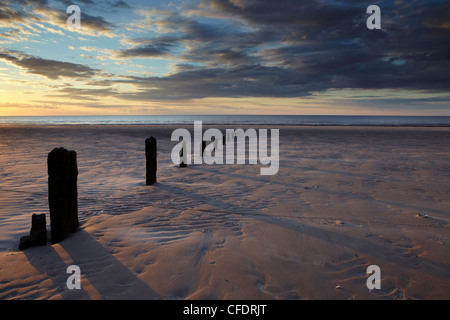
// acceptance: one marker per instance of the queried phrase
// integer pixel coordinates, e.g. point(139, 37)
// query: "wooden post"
point(151, 160)
point(183, 156)
point(62, 193)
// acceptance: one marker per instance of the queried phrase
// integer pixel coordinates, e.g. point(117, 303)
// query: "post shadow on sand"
point(358, 244)
point(263, 179)
point(102, 275)
point(183, 153)
point(105, 276)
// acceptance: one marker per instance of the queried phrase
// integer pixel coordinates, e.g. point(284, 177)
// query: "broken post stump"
point(38, 233)
point(151, 160)
point(62, 193)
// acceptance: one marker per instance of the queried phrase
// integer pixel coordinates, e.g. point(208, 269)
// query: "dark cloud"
point(144, 51)
point(150, 47)
point(264, 48)
point(22, 11)
point(184, 30)
point(47, 68)
point(96, 23)
point(10, 14)
point(83, 94)
point(89, 22)
point(290, 48)
point(243, 81)
point(194, 41)
point(121, 4)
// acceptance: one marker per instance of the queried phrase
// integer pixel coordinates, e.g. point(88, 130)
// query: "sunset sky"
point(224, 57)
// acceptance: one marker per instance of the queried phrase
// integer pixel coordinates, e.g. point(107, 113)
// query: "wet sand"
point(344, 198)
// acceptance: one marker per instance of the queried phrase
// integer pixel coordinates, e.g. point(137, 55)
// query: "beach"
point(344, 198)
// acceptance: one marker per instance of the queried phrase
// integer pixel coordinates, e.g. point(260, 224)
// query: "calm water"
point(234, 119)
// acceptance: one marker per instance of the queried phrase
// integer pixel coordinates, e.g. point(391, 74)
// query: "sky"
point(162, 57)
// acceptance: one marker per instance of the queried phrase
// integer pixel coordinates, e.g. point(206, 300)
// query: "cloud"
point(50, 69)
point(83, 93)
point(187, 39)
point(144, 51)
point(8, 14)
point(289, 48)
point(149, 47)
point(13, 34)
point(90, 25)
point(25, 13)
point(194, 83)
point(120, 4)
point(247, 48)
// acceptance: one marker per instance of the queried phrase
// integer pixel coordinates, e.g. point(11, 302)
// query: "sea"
point(276, 120)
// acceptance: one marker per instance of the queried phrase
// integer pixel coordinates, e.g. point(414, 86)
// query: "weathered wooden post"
point(151, 158)
point(183, 155)
point(62, 193)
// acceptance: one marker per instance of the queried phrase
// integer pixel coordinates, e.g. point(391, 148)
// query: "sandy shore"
point(344, 198)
